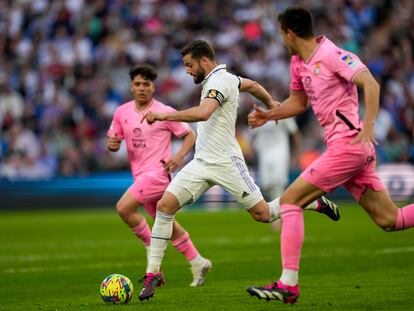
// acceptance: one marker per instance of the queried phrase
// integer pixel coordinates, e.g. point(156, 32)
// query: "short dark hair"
point(198, 49)
point(147, 71)
point(297, 19)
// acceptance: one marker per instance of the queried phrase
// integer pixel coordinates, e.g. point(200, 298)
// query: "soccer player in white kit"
point(218, 159)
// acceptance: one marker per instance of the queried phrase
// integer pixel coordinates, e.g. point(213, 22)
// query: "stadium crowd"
point(64, 69)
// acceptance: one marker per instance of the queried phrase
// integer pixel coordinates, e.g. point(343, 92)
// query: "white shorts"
point(199, 176)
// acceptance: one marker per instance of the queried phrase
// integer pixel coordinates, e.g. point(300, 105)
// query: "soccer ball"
point(116, 289)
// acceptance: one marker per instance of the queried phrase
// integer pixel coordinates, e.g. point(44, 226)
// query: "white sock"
point(148, 252)
point(289, 277)
point(274, 210)
point(161, 234)
point(197, 260)
point(312, 206)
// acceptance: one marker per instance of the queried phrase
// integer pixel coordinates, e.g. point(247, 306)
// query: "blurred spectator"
point(11, 103)
point(64, 63)
point(270, 141)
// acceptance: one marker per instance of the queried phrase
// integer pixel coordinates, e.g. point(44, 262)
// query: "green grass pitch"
point(56, 260)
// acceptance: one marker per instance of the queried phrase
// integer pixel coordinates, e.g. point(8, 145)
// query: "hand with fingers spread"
point(152, 116)
point(114, 143)
point(365, 136)
point(257, 118)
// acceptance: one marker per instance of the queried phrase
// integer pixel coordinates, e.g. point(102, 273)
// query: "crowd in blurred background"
point(64, 69)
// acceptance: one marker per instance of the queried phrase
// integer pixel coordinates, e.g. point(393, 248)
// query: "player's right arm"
point(115, 134)
point(195, 114)
point(295, 104)
point(113, 143)
point(367, 82)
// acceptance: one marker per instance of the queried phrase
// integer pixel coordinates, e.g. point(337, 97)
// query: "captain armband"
point(214, 94)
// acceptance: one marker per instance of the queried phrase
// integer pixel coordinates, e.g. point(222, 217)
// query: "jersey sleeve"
point(240, 81)
point(345, 64)
point(115, 127)
point(295, 80)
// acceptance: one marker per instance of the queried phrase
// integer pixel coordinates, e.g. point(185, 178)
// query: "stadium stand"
point(64, 69)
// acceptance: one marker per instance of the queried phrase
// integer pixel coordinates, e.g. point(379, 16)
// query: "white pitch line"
point(42, 257)
point(67, 267)
point(395, 250)
point(50, 244)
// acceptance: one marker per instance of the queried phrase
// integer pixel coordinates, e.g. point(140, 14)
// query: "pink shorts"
point(148, 188)
point(343, 164)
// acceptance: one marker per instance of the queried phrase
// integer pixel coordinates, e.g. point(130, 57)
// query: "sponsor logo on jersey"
point(137, 132)
point(347, 59)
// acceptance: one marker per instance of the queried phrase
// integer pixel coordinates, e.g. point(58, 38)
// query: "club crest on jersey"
point(317, 69)
point(347, 59)
point(212, 93)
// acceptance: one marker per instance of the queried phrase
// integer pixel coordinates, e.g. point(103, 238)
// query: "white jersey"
point(272, 145)
point(216, 137)
point(272, 138)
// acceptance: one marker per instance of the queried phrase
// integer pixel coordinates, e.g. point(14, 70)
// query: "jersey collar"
point(217, 68)
point(146, 108)
point(320, 40)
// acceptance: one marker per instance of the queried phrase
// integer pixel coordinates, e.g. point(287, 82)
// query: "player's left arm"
point(176, 160)
point(367, 82)
point(258, 91)
point(195, 114)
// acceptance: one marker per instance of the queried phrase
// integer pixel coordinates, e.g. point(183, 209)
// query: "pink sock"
point(185, 246)
point(292, 235)
point(405, 217)
point(143, 232)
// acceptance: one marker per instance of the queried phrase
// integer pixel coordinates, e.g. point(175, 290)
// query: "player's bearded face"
point(199, 75)
point(194, 68)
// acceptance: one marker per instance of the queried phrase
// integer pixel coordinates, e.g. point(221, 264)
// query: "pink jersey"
point(147, 145)
point(326, 79)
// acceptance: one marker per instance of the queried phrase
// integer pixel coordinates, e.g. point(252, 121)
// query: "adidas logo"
point(244, 194)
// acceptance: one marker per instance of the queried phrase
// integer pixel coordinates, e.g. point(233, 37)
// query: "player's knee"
point(260, 216)
point(164, 207)
point(122, 210)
